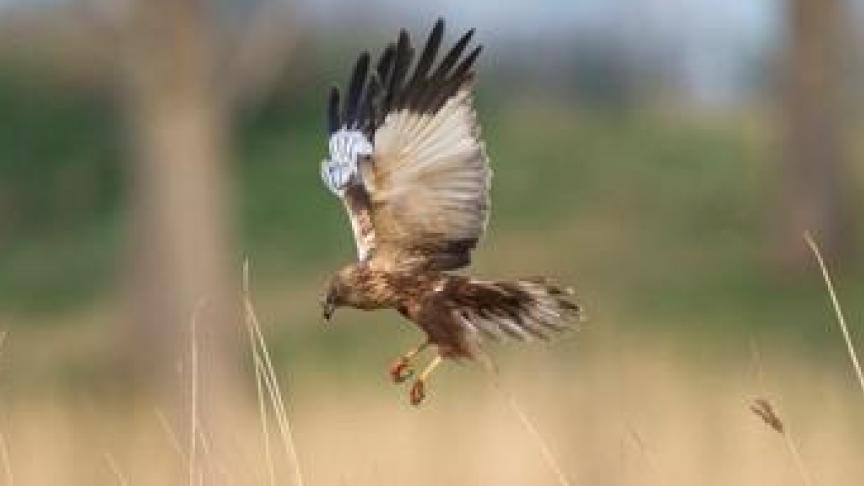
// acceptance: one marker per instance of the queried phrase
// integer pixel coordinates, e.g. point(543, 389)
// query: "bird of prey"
point(407, 161)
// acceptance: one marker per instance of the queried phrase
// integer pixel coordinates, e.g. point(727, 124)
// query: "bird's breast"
point(402, 291)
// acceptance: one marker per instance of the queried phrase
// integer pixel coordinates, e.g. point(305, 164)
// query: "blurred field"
point(664, 216)
point(654, 391)
point(614, 409)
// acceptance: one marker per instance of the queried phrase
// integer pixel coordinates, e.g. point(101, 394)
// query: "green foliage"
point(59, 157)
point(60, 186)
point(662, 220)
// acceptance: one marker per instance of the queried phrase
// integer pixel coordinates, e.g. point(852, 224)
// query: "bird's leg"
point(401, 370)
point(418, 389)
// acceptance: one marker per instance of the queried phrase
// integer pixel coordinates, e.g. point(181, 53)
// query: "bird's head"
point(331, 298)
point(337, 293)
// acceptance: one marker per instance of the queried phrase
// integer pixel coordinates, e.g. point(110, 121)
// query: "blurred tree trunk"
point(179, 234)
point(813, 196)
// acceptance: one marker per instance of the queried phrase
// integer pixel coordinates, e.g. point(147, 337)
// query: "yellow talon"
point(401, 370)
point(418, 389)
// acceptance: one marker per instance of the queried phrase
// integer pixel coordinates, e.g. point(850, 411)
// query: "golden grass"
point(115, 469)
point(353, 428)
point(4, 449)
point(838, 310)
point(195, 476)
point(264, 369)
point(4, 458)
point(763, 409)
point(531, 429)
point(649, 455)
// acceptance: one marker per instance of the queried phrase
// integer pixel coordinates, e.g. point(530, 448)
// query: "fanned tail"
point(522, 309)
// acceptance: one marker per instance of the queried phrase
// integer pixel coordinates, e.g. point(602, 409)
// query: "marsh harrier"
point(407, 161)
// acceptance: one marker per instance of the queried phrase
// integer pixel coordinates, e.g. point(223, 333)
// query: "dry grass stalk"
point(262, 412)
point(763, 409)
point(528, 425)
point(649, 455)
point(171, 435)
point(259, 378)
point(194, 474)
point(115, 469)
point(217, 465)
point(838, 310)
point(178, 448)
point(264, 369)
point(4, 450)
point(7, 464)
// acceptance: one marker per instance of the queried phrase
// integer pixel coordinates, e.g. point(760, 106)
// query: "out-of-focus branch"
point(179, 234)
point(813, 148)
point(259, 52)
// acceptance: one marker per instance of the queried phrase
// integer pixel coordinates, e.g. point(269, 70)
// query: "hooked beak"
point(327, 309)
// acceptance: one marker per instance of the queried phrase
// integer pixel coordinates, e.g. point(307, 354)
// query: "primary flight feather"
point(408, 162)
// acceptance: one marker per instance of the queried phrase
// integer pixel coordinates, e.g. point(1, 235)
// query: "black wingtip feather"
point(414, 88)
point(404, 55)
point(466, 64)
point(385, 63)
point(450, 59)
point(366, 116)
point(445, 89)
point(433, 42)
point(333, 110)
point(355, 88)
point(392, 85)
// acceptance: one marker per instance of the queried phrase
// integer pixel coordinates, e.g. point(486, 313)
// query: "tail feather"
point(525, 309)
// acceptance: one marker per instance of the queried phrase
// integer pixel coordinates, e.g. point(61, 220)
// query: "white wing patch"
point(346, 148)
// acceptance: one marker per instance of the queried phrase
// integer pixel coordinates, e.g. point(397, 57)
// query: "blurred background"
point(663, 156)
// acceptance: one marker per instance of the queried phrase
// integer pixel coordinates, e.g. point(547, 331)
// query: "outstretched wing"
point(426, 184)
point(430, 178)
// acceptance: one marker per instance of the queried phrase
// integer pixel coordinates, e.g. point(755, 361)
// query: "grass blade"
point(115, 469)
point(838, 310)
point(264, 368)
point(531, 429)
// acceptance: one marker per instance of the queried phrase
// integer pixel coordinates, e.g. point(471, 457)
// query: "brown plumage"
point(408, 162)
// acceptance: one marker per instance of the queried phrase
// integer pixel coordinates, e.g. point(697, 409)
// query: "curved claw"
point(418, 392)
point(401, 371)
